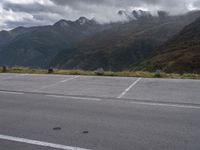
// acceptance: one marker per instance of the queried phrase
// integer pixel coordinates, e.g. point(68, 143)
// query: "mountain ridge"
point(36, 46)
point(87, 44)
point(121, 47)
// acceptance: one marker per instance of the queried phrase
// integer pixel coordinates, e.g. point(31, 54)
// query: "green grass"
point(106, 73)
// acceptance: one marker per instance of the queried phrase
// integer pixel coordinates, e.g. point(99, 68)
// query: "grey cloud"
point(126, 3)
point(102, 10)
point(32, 8)
point(197, 3)
point(71, 2)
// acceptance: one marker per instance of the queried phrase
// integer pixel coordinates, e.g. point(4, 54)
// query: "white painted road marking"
point(166, 105)
point(15, 93)
point(22, 75)
point(39, 143)
point(69, 79)
point(52, 85)
point(73, 97)
point(131, 86)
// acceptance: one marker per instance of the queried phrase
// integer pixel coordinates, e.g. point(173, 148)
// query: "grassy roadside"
point(106, 73)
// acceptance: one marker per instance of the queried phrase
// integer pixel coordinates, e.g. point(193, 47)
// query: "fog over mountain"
point(15, 13)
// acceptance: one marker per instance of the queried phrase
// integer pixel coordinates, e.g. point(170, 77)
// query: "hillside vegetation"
point(124, 46)
point(179, 55)
point(88, 45)
point(37, 46)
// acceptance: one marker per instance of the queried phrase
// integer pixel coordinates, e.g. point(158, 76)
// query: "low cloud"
point(15, 13)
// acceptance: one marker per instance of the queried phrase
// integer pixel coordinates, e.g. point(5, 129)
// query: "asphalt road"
point(51, 112)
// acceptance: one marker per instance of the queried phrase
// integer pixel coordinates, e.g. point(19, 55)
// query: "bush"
point(50, 70)
point(157, 73)
point(99, 72)
point(4, 69)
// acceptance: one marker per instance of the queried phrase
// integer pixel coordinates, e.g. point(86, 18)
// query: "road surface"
point(52, 112)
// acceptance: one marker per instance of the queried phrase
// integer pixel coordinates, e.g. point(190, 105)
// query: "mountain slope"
point(123, 46)
point(181, 54)
point(36, 46)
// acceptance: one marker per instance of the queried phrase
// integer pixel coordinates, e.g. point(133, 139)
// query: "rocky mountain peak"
point(135, 14)
point(82, 20)
point(141, 14)
point(126, 14)
point(62, 23)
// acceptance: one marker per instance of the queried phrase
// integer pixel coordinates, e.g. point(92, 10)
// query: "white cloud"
point(40, 12)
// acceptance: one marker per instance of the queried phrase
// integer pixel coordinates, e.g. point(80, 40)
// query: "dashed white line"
point(69, 79)
point(15, 93)
point(166, 105)
point(73, 97)
point(52, 85)
point(39, 143)
point(22, 75)
point(131, 86)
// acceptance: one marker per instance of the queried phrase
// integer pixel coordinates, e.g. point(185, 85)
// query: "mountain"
point(36, 46)
point(141, 14)
point(123, 46)
point(87, 44)
point(181, 54)
point(135, 14)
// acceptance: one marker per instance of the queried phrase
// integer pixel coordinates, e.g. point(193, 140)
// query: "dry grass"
point(106, 73)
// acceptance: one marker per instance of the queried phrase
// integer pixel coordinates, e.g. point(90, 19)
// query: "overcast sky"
point(15, 13)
